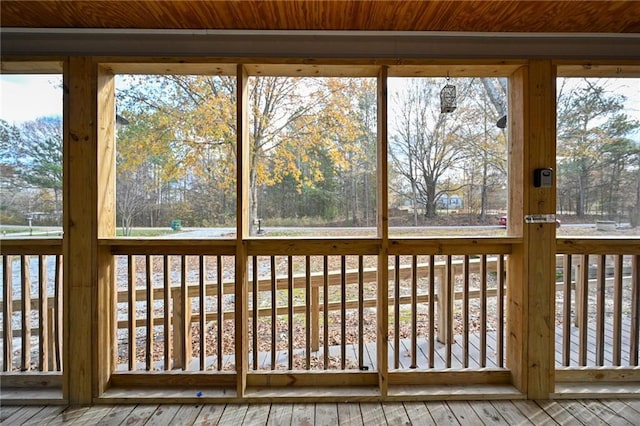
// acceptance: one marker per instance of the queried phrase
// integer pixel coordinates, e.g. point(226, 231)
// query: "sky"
point(26, 97)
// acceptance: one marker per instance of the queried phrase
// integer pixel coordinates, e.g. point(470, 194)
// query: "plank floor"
point(569, 412)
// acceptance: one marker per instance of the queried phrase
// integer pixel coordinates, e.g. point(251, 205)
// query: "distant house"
point(450, 202)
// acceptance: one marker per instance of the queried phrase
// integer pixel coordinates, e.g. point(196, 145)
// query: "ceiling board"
point(614, 16)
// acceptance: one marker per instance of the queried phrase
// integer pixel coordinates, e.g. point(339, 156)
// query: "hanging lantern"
point(448, 98)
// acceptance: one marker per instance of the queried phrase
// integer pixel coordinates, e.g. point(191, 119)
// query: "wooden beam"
point(516, 265)
point(80, 227)
point(540, 238)
point(106, 313)
point(383, 233)
point(242, 213)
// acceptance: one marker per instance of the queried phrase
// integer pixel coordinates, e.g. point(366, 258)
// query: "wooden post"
point(80, 231)
point(88, 188)
point(383, 234)
point(242, 232)
point(105, 318)
point(531, 345)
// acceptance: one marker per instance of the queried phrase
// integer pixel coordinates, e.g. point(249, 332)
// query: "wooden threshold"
point(470, 392)
point(31, 396)
point(582, 390)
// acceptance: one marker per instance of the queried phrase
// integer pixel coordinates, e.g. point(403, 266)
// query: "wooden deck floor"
point(569, 412)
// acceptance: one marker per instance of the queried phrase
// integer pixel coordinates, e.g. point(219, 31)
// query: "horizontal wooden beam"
point(450, 378)
point(315, 44)
point(598, 245)
point(598, 374)
point(31, 246)
point(178, 378)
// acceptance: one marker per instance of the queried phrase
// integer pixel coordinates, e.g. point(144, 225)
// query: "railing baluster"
point(202, 295)
point(188, 311)
point(566, 322)
point(483, 311)
point(414, 311)
point(583, 310)
point(500, 332)
point(181, 325)
point(315, 318)
point(307, 312)
point(396, 314)
point(432, 332)
point(25, 283)
point(131, 310)
point(57, 296)
point(274, 309)
point(325, 311)
point(43, 311)
point(220, 348)
point(167, 312)
point(449, 309)
point(465, 312)
point(290, 309)
point(617, 310)
point(255, 305)
point(361, 312)
point(7, 313)
point(150, 316)
point(602, 265)
point(635, 310)
point(343, 312)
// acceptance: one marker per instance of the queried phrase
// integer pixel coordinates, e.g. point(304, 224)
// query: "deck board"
point(349, 414)
point(116, 415)
point(441, 413)
point(210, 415)
point(562, 412)
point(257, 414)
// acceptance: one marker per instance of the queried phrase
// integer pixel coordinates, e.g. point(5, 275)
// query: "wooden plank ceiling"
point(613, 16)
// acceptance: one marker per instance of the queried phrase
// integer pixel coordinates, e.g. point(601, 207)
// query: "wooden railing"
point(598, 310)
point(31, 305)
point(319, 313)
point(175, 307)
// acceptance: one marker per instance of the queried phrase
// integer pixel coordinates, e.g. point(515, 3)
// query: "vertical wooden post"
point(88, 188)
point(531, 346)
point(105, 318)
point(242, 232)
point(80, 231)
point(383, 234)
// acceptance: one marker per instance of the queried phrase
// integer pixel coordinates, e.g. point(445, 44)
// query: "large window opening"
point(598, 156)
point(31, 155)
point(313, 156)
point(447, 163)
point(176, 156)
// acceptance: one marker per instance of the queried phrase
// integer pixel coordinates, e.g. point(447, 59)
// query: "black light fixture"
point(121, 121)
point(448, 98)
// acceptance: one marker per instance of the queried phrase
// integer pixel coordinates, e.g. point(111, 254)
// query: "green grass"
point(13, 230)
point(148, 232)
